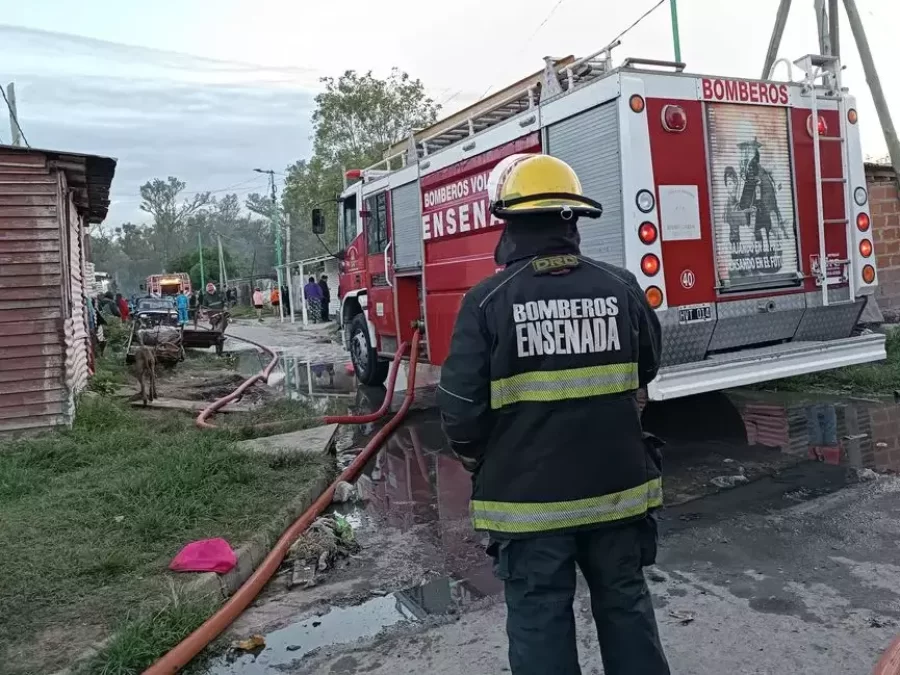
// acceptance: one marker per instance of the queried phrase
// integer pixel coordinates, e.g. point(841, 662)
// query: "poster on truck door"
point(752, 194)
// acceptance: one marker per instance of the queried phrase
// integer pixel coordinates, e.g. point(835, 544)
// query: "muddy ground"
point(779, 552)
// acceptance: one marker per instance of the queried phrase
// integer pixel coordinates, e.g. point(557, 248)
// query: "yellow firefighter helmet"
point(527, 184)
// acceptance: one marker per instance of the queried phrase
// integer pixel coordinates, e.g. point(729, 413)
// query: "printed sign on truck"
point(457, 207)
point(752, 193)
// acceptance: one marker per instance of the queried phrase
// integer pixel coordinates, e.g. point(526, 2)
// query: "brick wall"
point(884, 201)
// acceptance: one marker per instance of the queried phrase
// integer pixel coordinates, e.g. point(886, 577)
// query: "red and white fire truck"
point(173, 283)
point(723, 196)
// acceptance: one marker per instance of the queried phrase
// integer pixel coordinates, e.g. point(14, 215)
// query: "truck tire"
point(370, 368)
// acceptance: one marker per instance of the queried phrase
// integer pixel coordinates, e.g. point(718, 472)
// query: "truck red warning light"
point(741, 91)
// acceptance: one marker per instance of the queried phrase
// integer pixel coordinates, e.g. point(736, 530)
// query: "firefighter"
point(538, 400)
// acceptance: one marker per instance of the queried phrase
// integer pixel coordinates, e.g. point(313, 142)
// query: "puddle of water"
point(343, 625)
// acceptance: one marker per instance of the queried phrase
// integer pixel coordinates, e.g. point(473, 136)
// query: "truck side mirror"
point(318, 222)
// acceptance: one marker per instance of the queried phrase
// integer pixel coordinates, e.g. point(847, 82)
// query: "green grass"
point(870, 379)
point(144, 639)
point(90, 517)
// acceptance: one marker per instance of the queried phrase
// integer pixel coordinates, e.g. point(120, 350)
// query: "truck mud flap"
point(751, 366)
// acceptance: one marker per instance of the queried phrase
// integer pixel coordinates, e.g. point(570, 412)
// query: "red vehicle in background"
point(173, 283)
point(723, 197)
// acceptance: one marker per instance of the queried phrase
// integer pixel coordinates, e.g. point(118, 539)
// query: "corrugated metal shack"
point(48, 200)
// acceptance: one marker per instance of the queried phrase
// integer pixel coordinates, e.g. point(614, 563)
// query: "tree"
point(160, 200)
point(190, 262)
point(357, 118)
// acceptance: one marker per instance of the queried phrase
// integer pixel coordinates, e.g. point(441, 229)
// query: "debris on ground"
point(730, 481)
point(682, 617)
point(344, 492)
point(316, 550)
point(866, 474)
point(252, 643)
point(656, 575)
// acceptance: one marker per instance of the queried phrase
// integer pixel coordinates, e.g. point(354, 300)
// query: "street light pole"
point(276, 226)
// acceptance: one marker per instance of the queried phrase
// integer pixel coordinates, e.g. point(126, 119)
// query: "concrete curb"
point(251, 554)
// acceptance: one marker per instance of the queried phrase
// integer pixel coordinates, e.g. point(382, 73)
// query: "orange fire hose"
point(194, 643)
point(889, 663)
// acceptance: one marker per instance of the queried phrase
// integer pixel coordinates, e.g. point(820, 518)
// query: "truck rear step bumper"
point(750, 366)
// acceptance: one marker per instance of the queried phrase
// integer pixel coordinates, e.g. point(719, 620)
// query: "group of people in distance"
point(316, 294)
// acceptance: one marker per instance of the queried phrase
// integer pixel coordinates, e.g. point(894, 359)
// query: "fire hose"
point(194, 643)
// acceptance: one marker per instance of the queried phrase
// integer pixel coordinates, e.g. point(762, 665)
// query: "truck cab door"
point(379, 265)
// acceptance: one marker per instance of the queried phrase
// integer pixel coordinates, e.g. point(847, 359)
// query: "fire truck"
point(173, 283)
point(740, 206)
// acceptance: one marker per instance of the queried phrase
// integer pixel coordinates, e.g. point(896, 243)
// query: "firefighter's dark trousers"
point(539, 578)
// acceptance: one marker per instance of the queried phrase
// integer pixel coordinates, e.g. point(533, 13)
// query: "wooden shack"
point(48, 201)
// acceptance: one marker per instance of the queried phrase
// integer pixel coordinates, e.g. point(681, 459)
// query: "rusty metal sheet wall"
point(33, 392)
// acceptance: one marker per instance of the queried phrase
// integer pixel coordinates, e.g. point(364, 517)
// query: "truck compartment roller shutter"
point(407, 222)
point(589, 142)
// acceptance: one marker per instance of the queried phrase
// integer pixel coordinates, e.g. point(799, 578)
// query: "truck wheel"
point(370, 369)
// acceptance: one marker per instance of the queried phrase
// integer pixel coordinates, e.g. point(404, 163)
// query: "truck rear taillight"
point(650, 265)
point(655, 296)
point(823, 127)
point(645, 201)
point(636, 103)
point(852, 116)
point(674, 118)
point(860, 196)
point(862, 222)
point(647, 233)
point(868, 274)
point(865, 248)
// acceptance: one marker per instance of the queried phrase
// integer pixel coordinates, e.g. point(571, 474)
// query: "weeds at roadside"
point(869, 379)
point(145, 638)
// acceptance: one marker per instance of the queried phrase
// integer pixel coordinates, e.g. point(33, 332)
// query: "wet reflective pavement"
point(728, 459)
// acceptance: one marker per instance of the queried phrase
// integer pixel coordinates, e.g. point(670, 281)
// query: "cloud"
point(160, 113)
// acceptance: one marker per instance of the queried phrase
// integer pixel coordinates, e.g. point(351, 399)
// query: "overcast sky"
point(207, 90)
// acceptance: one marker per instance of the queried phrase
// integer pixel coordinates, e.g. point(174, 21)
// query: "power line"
point(641, 18)
point(14, 117)
point(526, 43)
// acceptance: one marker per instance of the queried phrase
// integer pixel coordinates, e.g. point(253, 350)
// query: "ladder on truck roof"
point(558, 77)
point(828, 69)
point(556, 80)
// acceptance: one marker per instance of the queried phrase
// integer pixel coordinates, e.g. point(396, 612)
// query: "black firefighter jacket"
point(538, 395)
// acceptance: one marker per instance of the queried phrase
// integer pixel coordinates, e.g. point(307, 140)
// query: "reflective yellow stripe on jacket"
point(561, 385)
point(524, 517)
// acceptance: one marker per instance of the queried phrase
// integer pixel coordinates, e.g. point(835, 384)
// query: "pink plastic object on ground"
point(207, 555)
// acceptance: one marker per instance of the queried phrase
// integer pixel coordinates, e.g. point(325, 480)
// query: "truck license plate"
point(695, 314)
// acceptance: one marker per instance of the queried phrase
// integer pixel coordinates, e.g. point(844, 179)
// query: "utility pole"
point(834, 31)
point(676, 39)
point(865, 55)
point(202, 273)
point(775, 41)
point(868, 64)
point(223, 273)
point(276, 227)
point(13, 114)
point(287, 266)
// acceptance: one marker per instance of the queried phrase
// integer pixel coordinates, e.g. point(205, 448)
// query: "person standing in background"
point(122, 304)
point(194, 306)
point(326, 297)
point(286, 300)
point(181, 303)
point(258, 302)
point(313, 294)
point(275, 299)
